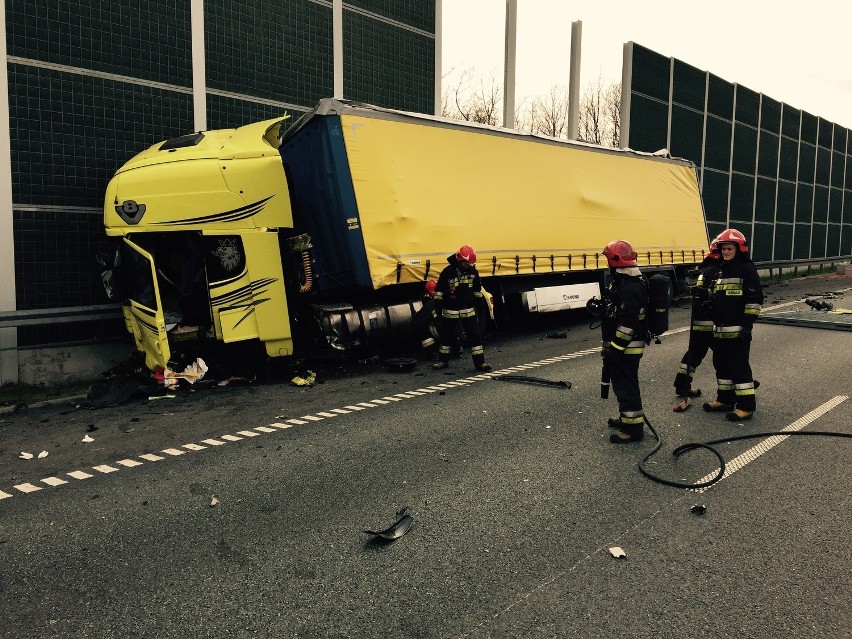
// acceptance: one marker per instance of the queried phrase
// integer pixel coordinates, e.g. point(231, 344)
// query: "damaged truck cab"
point(198, 218)
point(322, 237)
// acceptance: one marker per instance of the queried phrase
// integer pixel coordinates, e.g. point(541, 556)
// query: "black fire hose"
point(677, 452)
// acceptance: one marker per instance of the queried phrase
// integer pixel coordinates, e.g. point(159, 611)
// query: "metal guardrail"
point(63, 315)
point(71, 314)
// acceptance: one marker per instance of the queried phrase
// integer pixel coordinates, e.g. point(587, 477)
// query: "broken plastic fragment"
point(698, 509)
point(42, 454)
point(617, 552)
point(397, 529)
point(214, 501)
point(310, 380)
point(88, 439)
point(25, 455)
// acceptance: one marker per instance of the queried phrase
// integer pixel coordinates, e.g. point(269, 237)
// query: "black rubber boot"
point(628, 433)
point(716, 407)
point(688, 392)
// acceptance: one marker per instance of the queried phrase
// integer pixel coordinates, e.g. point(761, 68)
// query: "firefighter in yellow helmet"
point(456, 296)
point(623, 339)
point(736, 301)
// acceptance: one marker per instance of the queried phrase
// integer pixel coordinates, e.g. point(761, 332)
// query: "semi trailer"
point(321, 236)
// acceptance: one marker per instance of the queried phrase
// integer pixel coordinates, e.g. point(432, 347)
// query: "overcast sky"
point(799, 53)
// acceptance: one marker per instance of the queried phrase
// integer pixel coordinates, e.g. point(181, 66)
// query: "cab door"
point(143, 311)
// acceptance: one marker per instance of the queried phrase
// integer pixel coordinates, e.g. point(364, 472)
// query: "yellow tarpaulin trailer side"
point(424, 189)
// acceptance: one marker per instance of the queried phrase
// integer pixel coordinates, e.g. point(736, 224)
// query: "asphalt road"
point(240, 511)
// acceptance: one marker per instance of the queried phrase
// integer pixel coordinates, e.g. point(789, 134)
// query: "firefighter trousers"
point(624, 380)
point(735, 384)
point(447, 336)
point(699, 344)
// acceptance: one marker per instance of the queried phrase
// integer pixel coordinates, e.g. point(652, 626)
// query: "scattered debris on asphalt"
point(310, 380)
point(698, 509)
point(396, 530)
point(538, 381)
point(88, 439)
point(214, 501)
point(25, 455)
point(617, 552)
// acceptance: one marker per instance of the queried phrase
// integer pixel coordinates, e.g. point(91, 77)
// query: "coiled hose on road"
point(677, 452)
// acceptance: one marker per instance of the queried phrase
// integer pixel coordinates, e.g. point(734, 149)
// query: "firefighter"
point(426, 324)
point(736, 301)
point(623, 339)
point(700, 327)
point(456, 296)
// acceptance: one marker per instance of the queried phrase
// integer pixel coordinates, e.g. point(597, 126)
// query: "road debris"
point(25, 455)
point(396, 530)
point(698, 509)
point(538, 381)
point(88, 439)
point(310, 380)
point(617, 552)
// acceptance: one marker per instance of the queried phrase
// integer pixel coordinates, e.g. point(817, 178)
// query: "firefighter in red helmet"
point(623, 338)
point(456, 299)
point(736, 301)
point(700, 325)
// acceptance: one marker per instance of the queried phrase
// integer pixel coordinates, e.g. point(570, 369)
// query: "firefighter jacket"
point(623, 328)
point(708, 271)
point(458, 290)
point(736, 298)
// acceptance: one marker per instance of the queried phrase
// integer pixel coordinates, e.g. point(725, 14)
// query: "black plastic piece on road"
point(538, 381)
point(396, 530)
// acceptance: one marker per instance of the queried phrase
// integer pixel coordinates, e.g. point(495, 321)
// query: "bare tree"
point(549, 114)
point(474, 99)
point(599, 118)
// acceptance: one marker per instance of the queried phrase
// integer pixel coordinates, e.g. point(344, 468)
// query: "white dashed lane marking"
point(104, 469)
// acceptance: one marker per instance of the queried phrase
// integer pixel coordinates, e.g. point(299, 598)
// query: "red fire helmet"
point(466, 254)
point(620, 254)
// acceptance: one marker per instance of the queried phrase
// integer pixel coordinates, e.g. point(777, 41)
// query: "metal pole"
point(439, 44)
point(574, 80)
point(509, 68)
point(8, 336)
point(199, 74)
point(337, 43)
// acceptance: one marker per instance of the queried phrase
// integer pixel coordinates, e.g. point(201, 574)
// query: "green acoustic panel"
point(807, 163)
point(790, 122)
point(846, 239)
point(840, 137)
point(745, 149)
point(838, 169)
point(825, 135)
point(823, 166)
point(145, 39)
point(714, 191)
point(786, 202)
point(689, 86)
point(818, 235)
point(788, 160)
point(770, 115)
point(419, 14)
point(783, 242)
point(809, 128)
point(269, 49)
point(802, 242)
point(650, 74)
point(832, 241)
point(804, 203)
point(747, 108)
point(761, 245)
point(847, 184)
point(720, 98)
point(835, 205)
point(228, 113)
point(820, 204)
point(767, 151)
point(385, 65)
point(764, 207)
point(742, 197)
point(648, 124)
point(717, 155)
point(686, 135)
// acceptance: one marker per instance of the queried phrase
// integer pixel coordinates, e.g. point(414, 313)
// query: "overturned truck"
point(322, 236)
